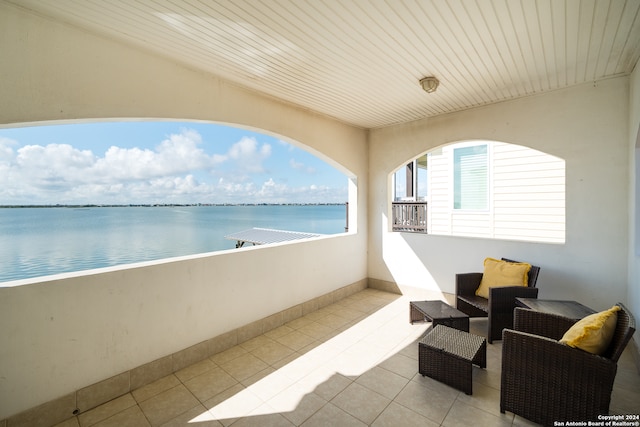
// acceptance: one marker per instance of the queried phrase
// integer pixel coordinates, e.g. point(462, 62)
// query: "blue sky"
point(159, 162)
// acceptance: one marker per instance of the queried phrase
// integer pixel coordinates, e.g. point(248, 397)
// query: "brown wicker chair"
point(545, 381)
point(499, 307)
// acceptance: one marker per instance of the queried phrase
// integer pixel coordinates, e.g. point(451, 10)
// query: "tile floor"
point(353, 363)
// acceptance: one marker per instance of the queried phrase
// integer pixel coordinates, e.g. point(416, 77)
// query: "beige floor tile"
point(71, 422)
point(396, 415)
point(462, 414)
point(272, 352)
point(402, 365)
point(296, 340)
point(106, 410)
point(316, 330)
point(236, 406)
point(361, 402)
point(318, 314)
point(285, 361)
point(263, 416)
point(436, 386)
point(256, 342)
point(411, 351)
point(300, 367)
point(628, 377)
point(488, 377)
point(210, 384)
point(364, 306)
point(331, 415)
point(227, 394)
point(348, 313)
point(522, 422)
point(194, 370)
point(155, 388)
point(483, 397)
point(296, 404)
point(354, 362)
point(299, 322)
point(271, 385)
point(168, 405)
point(309, 347)
point(201, 419)
point(278, 332)
point(131, 417)
point(197, 417)
point(425, 401)
point(228, 355)
point(333, 321)
point(383, 382)
point(325, 383)
point(258, 377)
point(625, 402)
point(244, 366)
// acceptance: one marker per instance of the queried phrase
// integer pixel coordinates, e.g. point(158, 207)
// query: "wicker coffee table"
point(438, 312)
point(448, 355)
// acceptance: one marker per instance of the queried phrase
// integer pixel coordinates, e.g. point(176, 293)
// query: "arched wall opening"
point(216, 178)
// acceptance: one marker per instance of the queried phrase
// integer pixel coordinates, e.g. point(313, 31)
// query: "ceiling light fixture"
point(429, 84)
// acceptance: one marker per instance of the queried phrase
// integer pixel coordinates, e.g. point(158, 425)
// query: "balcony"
point(409, 216)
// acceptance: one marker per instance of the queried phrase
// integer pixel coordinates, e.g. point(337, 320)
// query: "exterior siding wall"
point(527, 196)
point(438, 204)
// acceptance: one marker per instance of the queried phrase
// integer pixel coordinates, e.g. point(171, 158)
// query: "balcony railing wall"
point(409, 216)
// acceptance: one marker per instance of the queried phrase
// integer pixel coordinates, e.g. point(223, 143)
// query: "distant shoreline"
point(164, 205)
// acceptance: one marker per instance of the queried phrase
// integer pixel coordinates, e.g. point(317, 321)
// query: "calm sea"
point(42, 241)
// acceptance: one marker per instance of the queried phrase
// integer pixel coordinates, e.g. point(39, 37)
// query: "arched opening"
point(484, 189)
point(126, 192)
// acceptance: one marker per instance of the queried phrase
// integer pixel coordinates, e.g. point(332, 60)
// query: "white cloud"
point(177, 170)
point(290, 147)
point(6, 150)
point(301, 167)
point(248, 156)
point(296, 165)
point(177, 154)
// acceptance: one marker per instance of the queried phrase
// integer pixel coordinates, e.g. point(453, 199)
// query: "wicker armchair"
point(499, 307)
point(545, 381)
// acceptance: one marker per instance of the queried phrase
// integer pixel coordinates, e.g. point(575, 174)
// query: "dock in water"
point(264, 236)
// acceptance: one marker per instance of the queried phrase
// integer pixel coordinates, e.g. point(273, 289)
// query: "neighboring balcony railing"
point(409, 216)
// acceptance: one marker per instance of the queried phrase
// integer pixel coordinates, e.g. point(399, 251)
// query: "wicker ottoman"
point(447, 355)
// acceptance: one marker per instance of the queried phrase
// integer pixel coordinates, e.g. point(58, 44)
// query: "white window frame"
point(452, 173)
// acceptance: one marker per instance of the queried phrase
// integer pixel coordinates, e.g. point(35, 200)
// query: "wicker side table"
point(438, 312)
point(448, 355)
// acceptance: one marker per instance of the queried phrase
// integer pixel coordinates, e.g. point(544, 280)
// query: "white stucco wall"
point(587, 127)
point(69, 332)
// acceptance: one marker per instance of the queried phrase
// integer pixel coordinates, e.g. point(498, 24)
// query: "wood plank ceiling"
point(360, 61)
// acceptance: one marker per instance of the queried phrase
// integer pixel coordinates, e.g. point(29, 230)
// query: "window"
point(470, 178)
point(410, 181)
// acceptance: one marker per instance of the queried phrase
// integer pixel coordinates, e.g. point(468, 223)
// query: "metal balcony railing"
point(409, 216)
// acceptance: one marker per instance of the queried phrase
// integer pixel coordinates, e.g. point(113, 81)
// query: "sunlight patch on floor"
point(350, 353)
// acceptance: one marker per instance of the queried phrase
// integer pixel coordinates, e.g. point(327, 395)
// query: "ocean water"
point(37, 242)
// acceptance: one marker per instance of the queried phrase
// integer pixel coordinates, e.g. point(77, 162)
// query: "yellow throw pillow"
point(498, 273)
point(594, 332)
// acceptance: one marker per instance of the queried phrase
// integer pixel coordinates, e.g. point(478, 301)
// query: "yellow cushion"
point(594, 332)
point(498, 273)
